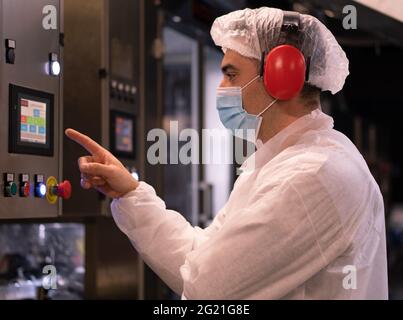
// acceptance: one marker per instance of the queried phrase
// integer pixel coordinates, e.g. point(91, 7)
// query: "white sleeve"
point(162, 237)
point(285, 235)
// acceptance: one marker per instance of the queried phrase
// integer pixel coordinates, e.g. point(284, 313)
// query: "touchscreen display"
point(33, 121)
point(123, 134)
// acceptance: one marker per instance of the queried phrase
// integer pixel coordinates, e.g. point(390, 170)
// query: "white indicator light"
point(42, 190)
point(55, 68)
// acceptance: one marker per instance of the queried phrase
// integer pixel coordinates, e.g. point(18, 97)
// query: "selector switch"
point(25, 186)
point(39, 186)
point(10, 51)
point(10, 187)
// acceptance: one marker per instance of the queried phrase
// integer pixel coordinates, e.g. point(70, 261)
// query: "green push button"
point(11, 189)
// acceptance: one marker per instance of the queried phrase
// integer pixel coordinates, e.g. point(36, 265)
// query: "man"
point(305, 219)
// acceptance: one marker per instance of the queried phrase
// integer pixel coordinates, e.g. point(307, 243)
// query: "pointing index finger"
point(86, 142)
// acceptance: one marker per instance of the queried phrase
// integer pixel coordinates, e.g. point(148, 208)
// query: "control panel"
point(31, 107)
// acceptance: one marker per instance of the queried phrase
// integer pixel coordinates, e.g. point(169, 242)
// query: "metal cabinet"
point(30, 107)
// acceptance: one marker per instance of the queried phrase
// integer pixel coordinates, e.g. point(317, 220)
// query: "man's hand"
point(101, 170)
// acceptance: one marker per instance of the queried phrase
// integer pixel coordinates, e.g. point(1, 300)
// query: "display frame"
point(124, 154)
point(16, 145)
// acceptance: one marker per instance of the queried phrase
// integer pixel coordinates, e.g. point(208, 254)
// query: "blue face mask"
point(234, 117)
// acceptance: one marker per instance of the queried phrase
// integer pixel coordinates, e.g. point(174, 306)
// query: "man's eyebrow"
point(227, 67)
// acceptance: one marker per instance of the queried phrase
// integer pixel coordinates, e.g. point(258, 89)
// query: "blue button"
point(32, 129)
point(42, 130)
point(24, 128)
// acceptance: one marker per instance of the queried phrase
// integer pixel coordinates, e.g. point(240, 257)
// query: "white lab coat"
point(306, 223)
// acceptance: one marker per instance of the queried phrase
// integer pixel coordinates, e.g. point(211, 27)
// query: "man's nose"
point(224, 83)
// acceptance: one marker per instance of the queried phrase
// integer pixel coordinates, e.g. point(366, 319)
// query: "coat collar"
point(316, 120)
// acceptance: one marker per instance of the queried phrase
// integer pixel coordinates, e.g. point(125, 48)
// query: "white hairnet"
point(252, 31)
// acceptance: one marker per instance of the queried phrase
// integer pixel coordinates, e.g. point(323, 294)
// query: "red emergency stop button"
point(63, 189)
point(55, 190)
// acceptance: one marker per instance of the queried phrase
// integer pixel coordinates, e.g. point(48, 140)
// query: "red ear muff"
point(284, 72)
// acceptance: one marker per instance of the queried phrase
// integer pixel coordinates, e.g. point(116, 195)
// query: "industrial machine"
point(31, 109)
point(78, 64)
point(101, 94)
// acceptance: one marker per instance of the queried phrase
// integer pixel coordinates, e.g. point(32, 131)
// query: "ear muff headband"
point(284, 69)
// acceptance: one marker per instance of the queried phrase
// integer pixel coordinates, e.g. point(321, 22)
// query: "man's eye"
point(231, 76)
